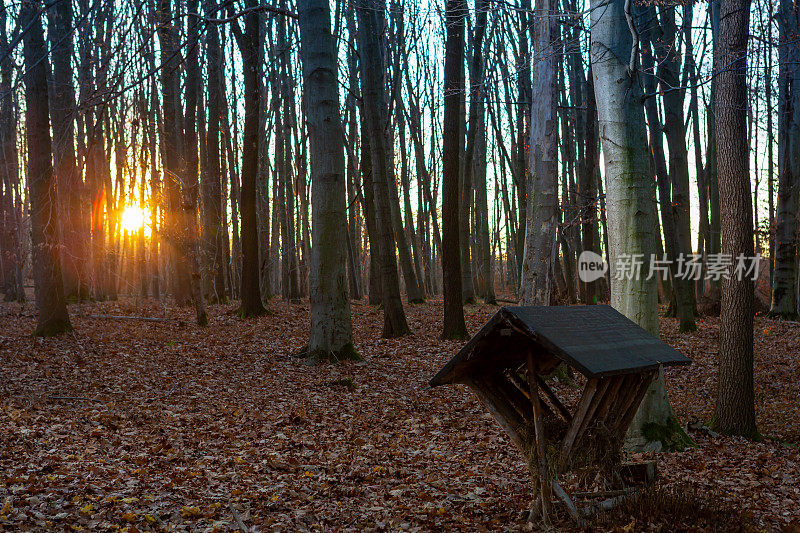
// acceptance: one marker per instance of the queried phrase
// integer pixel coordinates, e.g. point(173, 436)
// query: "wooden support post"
point(545, 483)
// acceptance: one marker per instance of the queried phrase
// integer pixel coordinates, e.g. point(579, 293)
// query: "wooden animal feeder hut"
point(513, 359)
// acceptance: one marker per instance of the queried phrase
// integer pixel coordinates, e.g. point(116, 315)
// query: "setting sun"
point(132, 218)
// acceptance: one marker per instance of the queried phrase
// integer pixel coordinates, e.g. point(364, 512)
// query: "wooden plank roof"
point(596, 340)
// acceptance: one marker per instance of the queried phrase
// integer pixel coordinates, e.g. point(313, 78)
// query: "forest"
point(242, 242)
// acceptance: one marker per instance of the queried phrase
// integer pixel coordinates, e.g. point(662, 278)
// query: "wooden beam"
point(583, 406)
point(609, 398)
point(502, 412)
point(627, 417)
point(554, 399)
point(545, 483)
point(595, 403)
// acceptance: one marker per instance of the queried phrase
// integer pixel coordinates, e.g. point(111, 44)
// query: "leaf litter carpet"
point(136, 425)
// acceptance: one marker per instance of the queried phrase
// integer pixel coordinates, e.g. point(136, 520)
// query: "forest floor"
point(165, 426)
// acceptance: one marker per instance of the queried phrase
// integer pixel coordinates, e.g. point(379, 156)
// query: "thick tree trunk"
point(331, 336)
point(52, 317)
point(542, 210)
point(629, 190)
point(735, 409)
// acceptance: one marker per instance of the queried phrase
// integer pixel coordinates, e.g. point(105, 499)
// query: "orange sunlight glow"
point(132, 218)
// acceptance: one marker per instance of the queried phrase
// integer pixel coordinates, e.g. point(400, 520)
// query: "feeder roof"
point(596, 340)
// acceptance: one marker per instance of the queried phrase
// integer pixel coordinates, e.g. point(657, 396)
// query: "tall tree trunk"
point(542, 210)
point(371, 23)
point(190, 184)
point(674, 126)
point(52, 317)
point(331, 335)
point(174, 167)
point(629, 190)
point(213, 224)
point(735, 409)
point(784, 283)
point(454, 325)
point(11, 255)
point(248, 42)
point(67, 177)
point(671, 245)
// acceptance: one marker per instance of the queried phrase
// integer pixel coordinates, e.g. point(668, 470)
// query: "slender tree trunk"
point(52, 316)
point(67, 178)
point(174, 164)
point(784, 283)
point(542, 209)
point(454, 325)
point(11, 255)
point(248, 41)
point(190, 185)
point(371, 22)
point(735, 409)
point(331, 336)
point(213, 224)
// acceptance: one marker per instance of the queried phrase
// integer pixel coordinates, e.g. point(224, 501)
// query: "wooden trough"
point(506, 364)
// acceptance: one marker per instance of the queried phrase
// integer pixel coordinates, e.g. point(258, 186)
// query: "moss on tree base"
point(53, 328)
point(345, 353)
point(671, 435)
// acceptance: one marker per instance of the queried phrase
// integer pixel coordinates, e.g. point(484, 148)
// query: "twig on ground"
point(239, 523)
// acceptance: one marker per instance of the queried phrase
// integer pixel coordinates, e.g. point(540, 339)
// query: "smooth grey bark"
point(52, 318)
point(331, 335)
point(629, 188)
point(542, 189)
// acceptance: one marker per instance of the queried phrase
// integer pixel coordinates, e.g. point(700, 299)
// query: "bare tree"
point(331, 335)
point(52, 318)
point(734, 412)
